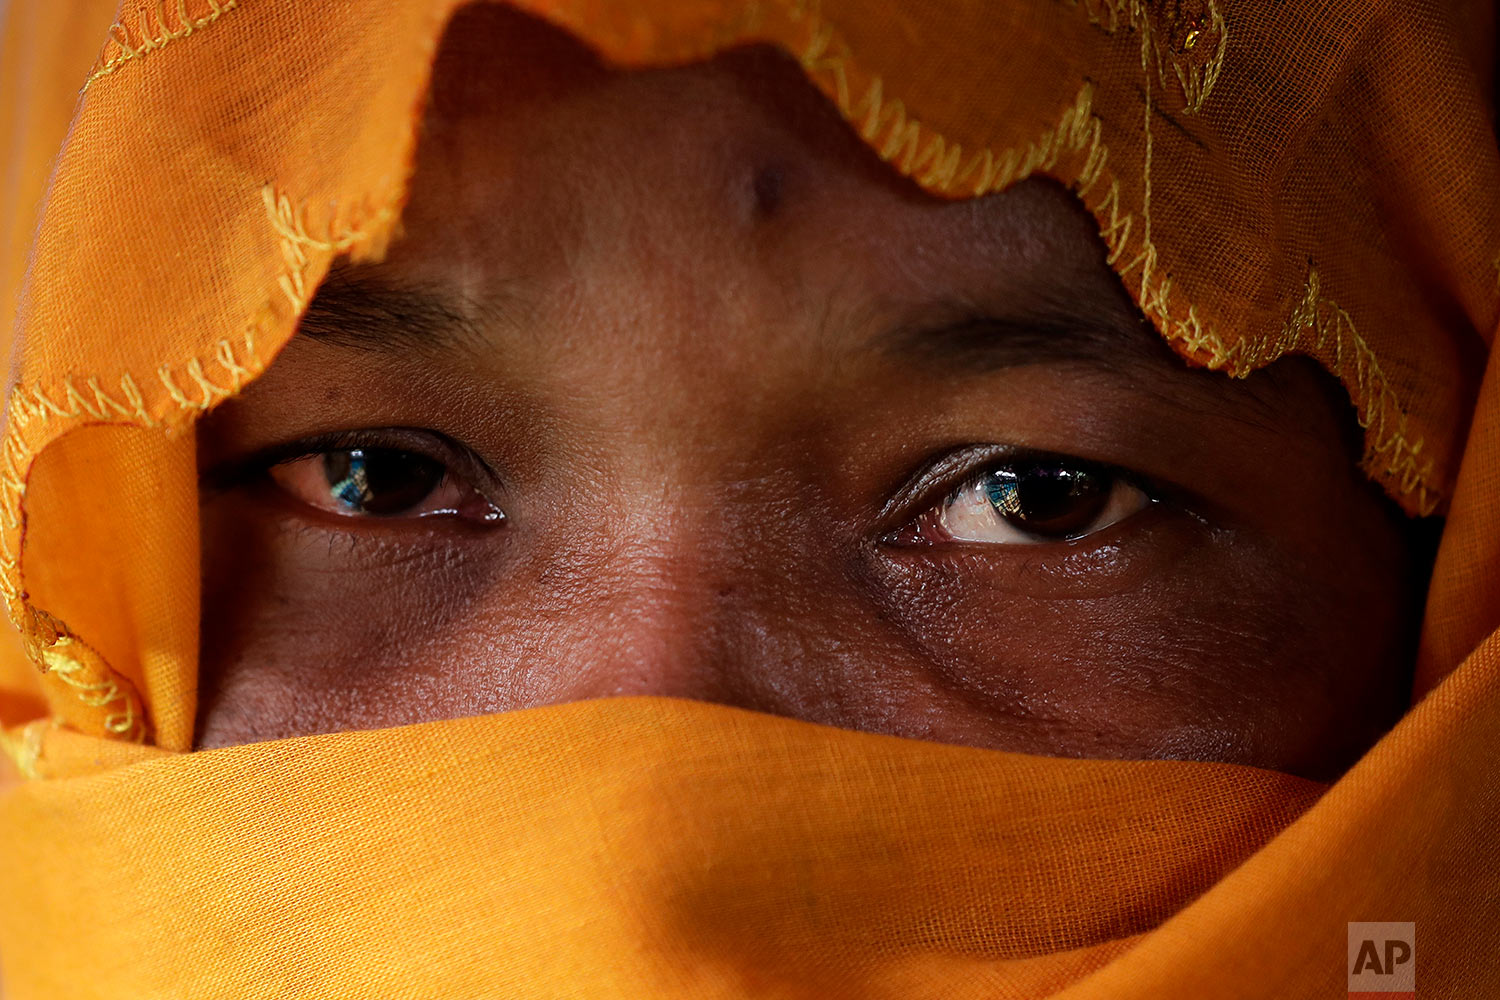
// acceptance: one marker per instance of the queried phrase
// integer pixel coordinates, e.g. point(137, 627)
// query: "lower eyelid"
point(456, 495)
point(1114, 560)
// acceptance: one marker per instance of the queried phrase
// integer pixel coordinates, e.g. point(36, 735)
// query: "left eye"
point(380, 482)
point(1032, 502)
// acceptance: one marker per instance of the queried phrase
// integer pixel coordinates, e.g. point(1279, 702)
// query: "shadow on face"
point(672, 388)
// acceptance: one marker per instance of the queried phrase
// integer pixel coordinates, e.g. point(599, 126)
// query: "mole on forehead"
point(1014, 278)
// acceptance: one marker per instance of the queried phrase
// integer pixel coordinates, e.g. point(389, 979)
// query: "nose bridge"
point(675, 283)
point(661, 602)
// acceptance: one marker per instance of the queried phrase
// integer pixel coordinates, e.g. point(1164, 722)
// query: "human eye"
point(389, 474)
point(1030, 500)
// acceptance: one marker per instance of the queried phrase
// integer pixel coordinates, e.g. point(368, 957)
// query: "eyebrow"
point(975, 340)
point(374, 315)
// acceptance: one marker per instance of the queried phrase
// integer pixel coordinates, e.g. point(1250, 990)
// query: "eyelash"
point(945, 476)
point(915, 516)
point(458, 460)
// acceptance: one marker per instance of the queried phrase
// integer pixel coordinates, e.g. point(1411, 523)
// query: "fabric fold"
point(625, 847)
point(1314, 179)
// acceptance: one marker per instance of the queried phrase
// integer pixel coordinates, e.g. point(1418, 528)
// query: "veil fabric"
point(1271, 179)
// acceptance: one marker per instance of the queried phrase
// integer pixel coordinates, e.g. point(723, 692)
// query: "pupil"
point(380, 481)
point(1053, 500)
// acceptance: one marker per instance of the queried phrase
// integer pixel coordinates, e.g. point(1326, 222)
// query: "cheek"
point(1173, 640)
point(1183, 642)
point(306, 629)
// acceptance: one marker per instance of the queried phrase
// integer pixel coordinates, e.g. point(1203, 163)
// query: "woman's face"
point(672, 388)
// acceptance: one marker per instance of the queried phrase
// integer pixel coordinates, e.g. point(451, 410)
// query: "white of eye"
point(365, 483)
point(1039, 503)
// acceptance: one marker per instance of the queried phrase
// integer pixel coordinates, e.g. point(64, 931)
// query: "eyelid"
point(455, 456)
point(940, 476)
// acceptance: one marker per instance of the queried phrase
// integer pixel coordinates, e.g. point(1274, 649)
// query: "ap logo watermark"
point(1382, 961)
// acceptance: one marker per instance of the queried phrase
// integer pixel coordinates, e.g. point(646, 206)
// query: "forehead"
point(730, 177)
point(708, 254)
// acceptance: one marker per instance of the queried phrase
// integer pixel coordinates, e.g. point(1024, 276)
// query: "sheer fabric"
point(1317, 178)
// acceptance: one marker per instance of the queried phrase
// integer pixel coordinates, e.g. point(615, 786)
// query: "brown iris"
point(382, 482)
point(1049, 499)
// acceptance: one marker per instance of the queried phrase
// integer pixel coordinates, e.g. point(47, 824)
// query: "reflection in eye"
point(381, 482)
point(1032, 502)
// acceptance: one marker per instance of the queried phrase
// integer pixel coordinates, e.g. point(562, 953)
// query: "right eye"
point(381, 482)
point(1029, 501)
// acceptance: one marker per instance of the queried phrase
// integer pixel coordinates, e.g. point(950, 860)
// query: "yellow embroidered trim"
point(68, 660)
point(914, 149)
point(1321, 322)
point(1317, 325)
point(32, 404)
point(50, 644)
point(189, 386)
point(146, 38)
point(290, 224)
point(77, 665)
point(1192, 45)
point(940, 165)
point(931, 160)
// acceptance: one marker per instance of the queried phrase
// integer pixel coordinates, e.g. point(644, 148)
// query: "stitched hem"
point(134, 38)
point(1186, 55)
point(176, 397)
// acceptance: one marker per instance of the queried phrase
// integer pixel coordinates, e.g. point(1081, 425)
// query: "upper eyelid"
point(390, 438)
point(941, 474)
point(956, 467)
point(449, 452)
point(924, 488)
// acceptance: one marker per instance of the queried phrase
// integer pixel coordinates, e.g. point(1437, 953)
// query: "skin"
point(686, 332)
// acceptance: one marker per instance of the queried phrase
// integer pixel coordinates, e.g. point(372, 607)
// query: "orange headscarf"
point(1271, 178)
